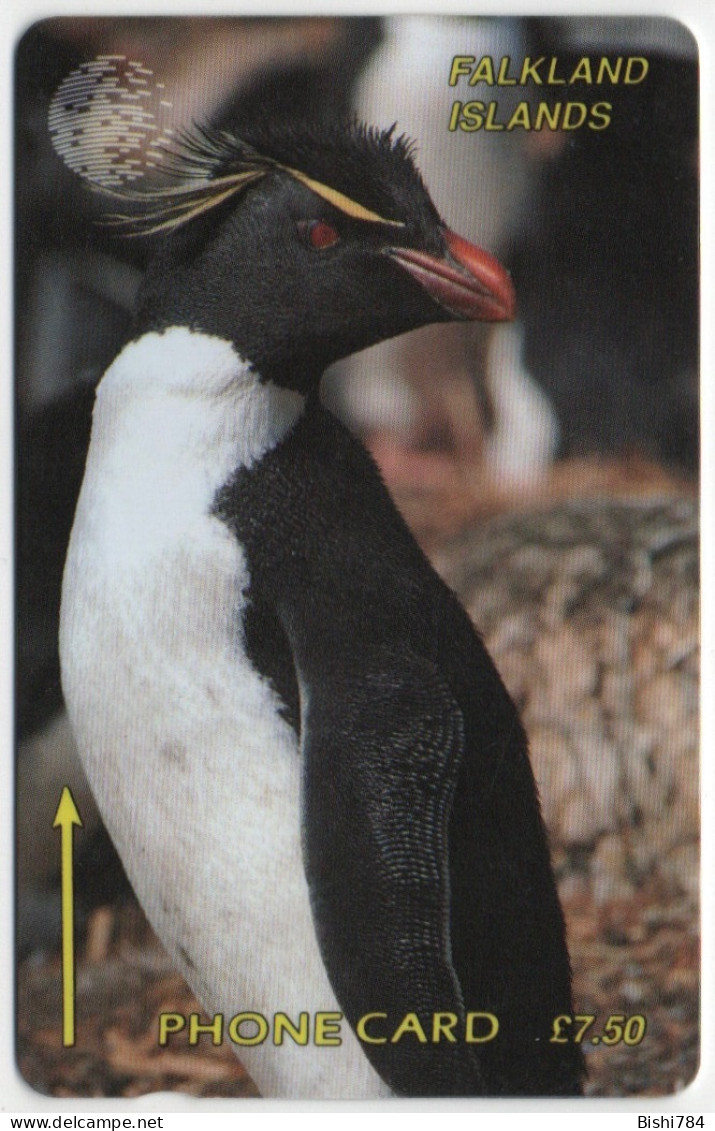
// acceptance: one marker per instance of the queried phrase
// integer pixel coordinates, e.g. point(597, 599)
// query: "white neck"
point(185, 395)
point(176, 414)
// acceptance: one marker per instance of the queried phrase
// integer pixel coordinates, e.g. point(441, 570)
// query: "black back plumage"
point(424, 847)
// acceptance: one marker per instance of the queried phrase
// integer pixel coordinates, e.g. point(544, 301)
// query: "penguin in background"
point(314, 776)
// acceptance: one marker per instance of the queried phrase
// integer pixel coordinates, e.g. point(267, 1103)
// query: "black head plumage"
point(370, 167)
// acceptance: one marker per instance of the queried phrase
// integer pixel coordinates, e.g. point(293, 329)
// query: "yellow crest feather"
point(339, 200)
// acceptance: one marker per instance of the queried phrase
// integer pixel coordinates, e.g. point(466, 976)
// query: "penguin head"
point(303, 247)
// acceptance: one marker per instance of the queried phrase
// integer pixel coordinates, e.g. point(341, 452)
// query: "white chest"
point(196, 773)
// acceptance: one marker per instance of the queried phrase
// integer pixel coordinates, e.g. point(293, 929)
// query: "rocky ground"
point(590, 609)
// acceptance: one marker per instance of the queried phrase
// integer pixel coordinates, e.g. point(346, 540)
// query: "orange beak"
point(468, 282)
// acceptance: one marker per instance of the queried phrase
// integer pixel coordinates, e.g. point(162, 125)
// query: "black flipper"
point(382, 748)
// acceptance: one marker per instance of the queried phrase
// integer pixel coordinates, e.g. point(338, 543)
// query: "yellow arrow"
point(65, 817)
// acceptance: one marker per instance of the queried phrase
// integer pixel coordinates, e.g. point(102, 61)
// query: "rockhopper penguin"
point(314, 776)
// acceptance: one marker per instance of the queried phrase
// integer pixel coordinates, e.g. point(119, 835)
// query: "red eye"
point(319, 234)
